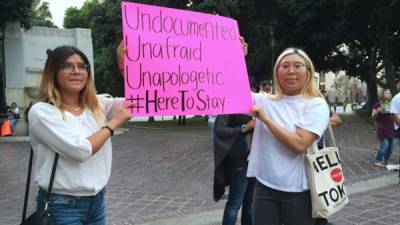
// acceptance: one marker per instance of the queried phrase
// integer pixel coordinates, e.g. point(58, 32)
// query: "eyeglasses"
point(69, 67)
point(298, 66)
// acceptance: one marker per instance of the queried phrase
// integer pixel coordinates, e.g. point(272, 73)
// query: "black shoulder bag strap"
point(28, 182)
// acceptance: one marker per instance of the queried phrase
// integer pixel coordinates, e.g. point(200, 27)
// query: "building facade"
point(25, 56)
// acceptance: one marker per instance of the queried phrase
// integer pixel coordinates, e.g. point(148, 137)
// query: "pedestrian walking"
point(287, 124)
point(335, 104)
point(385, 129)
point(71, 122)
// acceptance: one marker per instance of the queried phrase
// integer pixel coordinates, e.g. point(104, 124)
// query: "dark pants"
point(321, 221)
point(273, 207)
point(241, 191)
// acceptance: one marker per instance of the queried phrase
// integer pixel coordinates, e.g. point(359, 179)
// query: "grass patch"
point(190, 122)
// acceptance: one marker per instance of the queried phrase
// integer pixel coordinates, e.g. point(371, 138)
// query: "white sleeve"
point(395, 105)
point(111, 106)
point(257, 98)
point(316, 117)
point(47, 126)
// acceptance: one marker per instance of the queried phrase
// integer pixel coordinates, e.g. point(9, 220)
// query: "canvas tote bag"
point(326, 181)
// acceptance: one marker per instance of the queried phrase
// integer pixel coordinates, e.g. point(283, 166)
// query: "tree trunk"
point(372, 91)
point(387, 61)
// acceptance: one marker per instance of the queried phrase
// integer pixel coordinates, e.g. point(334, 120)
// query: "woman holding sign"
point(71, 120)
point(287, 124)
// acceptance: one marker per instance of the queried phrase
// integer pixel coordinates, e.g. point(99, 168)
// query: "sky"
point(58, 7)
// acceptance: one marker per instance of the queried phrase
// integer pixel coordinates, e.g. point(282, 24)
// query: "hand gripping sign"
point(183, 63)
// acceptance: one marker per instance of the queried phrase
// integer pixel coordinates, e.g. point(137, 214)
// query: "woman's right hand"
point(258, 111)
point(121, 51)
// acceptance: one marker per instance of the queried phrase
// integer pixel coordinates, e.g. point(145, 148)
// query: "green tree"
point(368, 29)
point(41, 14)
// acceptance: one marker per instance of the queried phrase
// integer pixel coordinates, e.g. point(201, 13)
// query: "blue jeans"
point(74, 210)
point(241, 192)
point(385, 149)
point(211, 125)
point(13, 123)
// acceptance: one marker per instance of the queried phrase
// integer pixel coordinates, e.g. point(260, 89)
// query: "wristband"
point(109, 129)
point(243, 128)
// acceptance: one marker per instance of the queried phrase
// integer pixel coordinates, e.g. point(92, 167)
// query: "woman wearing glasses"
point(287, 124)
point(71, 120)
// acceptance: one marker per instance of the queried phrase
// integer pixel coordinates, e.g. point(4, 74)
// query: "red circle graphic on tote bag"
point(336, 175)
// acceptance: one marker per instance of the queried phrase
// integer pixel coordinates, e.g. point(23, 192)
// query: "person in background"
point(231, 148)
point(385, 129)
point(287, 124)
point(266, 87)
point(3, 110)
point(70, 120)
point(325, 94)
point(335, 104)
point(26, 112)
point(13, 116)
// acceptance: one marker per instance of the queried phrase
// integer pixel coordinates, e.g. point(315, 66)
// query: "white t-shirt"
point(79, 173)
point(395, 107)
point(271, 162)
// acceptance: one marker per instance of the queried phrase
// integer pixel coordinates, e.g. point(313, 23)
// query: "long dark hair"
point(49, 89)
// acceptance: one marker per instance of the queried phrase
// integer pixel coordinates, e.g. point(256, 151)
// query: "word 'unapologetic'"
point(146, 79)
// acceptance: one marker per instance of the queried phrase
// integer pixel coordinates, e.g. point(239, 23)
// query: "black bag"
point(35, 218)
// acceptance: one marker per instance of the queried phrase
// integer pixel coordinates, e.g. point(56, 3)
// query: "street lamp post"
point(2, 72)
point(272, 45)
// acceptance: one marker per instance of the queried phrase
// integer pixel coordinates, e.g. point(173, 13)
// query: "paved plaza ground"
point(164, 176)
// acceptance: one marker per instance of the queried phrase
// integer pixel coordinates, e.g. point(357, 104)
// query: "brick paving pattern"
point(166, 173)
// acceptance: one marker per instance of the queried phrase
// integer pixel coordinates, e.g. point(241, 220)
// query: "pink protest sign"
point(183, 63)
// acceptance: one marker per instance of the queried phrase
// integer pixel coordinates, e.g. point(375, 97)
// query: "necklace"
point(74, 109)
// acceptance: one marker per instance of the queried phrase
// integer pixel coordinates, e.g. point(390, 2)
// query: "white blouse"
point(79, 173)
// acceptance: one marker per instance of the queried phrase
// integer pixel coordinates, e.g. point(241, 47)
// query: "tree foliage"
point(41, 15)
point(16, 10)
